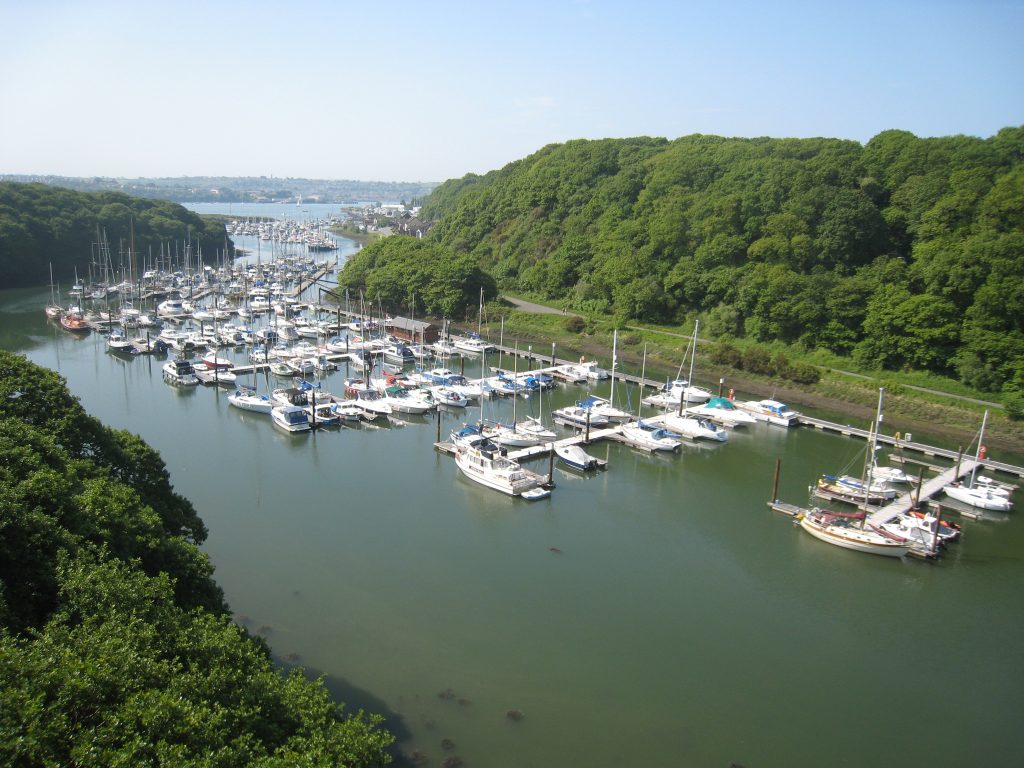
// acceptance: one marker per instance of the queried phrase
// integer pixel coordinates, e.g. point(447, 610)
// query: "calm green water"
point(681, 623)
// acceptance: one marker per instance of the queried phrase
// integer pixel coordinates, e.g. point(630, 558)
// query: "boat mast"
point(615, 359)
point(977, 453)
point(643, 371)
point(685, 396)
point(869, 458)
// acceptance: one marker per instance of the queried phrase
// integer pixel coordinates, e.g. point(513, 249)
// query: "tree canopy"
point(905, 252)
point(42, 225)
point(116, 647)
point(397, 269)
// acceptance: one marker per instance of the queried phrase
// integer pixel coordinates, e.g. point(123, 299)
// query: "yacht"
point(675, 392)
point(771, 411)
point(180, 372)
point(841, 531)
point(290, 418)
point(696, 427)
point(482, 461)
point(723, 411)
point(649, 437)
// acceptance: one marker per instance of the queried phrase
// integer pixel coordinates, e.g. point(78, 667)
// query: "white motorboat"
point(696, 427)
point(403, 400)
point(348, 411)
point(577, 458)
point(649, 437)
point(118, 341)
point(180, 373)
point(472, 344)
point(723, 411)
point(212, 360)
point(371, 401)
point(290, 418)
point(484, 462)
point(449, 397)
point(771, 411)
point(843, 532)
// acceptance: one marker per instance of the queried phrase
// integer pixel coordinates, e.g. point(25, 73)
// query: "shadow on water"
point(355, 698)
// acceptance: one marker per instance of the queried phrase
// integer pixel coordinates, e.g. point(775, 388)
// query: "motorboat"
point(404, 401)
point(449, 397)
point(398, 353)
point(859, 486)
point(577, 458)
point(212, 360)
point(843, 531)
point(371, 401)
point(771, 411)
point(723, 411)
point(829, 487)
point(290, 418)
point(649, 437)
point(180, 373)
point(472, 344)
point(323, 415)
point(348, 411)
point(696, 427)
point(118, 341)
point(484, 462)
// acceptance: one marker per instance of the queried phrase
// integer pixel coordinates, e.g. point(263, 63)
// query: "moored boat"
point(841, 532)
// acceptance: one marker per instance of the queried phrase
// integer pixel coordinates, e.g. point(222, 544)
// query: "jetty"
point(910, 500)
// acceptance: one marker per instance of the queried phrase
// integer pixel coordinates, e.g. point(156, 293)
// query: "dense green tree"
point(116, 647)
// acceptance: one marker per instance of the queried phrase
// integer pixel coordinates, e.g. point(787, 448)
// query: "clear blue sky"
point(405, 91)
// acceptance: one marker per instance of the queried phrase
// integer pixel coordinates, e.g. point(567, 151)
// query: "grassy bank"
point(354, 233)
point(842, 388)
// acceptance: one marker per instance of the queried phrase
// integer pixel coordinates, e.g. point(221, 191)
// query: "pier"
point(909, 500)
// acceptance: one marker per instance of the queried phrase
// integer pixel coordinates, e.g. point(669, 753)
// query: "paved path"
point(540, 309)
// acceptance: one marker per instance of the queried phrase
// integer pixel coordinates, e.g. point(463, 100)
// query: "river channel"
point(656, 614)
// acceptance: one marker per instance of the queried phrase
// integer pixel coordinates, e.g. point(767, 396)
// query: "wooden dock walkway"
point(905, 502)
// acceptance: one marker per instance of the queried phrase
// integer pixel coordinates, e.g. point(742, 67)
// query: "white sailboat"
point(982, 495)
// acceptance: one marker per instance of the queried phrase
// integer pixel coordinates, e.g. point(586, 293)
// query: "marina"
point(361, 552)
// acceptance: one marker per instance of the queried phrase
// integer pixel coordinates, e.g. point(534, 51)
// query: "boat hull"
point(855, 539)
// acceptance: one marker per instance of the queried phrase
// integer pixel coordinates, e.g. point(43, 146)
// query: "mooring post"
point(552, 354)
point(721, 384)
point(917, 487)
point(775, 481)
point(586, 437)
point(438, 440)
point(551, 463)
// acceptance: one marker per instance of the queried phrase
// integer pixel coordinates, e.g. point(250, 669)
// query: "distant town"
point(244, 189)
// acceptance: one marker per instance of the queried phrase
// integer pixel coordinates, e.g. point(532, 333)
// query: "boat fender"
point(582, 358)
point(896, 437)
point(732, 394)
point(982, 451)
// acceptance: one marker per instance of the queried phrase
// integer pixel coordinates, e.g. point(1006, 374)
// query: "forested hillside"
point(40, 225)
point(115, 644)
point(904, 252)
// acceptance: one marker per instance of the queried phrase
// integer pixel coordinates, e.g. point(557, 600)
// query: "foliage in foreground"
point(116, 647)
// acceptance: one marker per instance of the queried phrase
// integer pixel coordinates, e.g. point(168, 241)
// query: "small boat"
point(211, 360)
point(350, 412)
point(842, 532)
point(323, 415)
point(771, 411)
point(507, 435)
point(723, 411)
point(449, 397)
point(290, 418)
point(579, 417)
point(281, 368)
point(829, 487)
point(247, 399)
point(208, 375)
point(979, 496)
point(532, 427)
point(472, 344)
point(858, 487)
point(74, 322)
point(696, 427)
point(889, 475)
point(371, 401)
point(398, 353)
point(678, 391)
point(649, 437)
point(118, 341)
point(180, 373)
point(577, 458)
point(604, 407)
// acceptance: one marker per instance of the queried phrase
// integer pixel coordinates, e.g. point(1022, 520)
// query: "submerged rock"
point(515, 715)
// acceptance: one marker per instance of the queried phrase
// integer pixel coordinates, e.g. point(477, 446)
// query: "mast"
point(869, 458)
point(615, 360)
point(977, 453)
point(643, 371)
point(693, 353)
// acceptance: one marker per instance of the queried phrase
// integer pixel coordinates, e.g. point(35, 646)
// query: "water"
point(680, 622)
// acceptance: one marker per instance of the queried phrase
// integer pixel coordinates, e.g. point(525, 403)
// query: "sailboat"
point(647, 436)
point(690, 425)
point(53, 310)
point(984, 495)
point(843, 530)
point(607, 408)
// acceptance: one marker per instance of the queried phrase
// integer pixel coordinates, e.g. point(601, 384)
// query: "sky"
point(404, 91)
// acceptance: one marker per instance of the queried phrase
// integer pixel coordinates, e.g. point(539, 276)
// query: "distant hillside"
point(905, 252)
point(235, 189)
point(42, 225)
